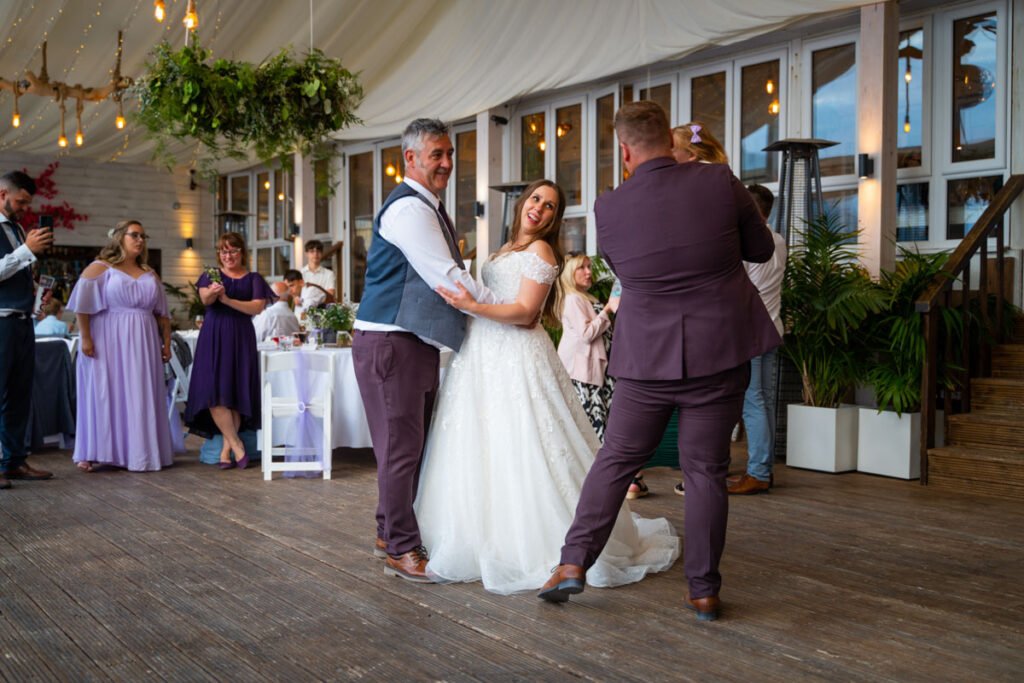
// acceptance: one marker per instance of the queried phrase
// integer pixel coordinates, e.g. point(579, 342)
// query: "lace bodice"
point(504, 274)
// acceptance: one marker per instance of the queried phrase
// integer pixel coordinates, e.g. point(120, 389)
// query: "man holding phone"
point(18, 252)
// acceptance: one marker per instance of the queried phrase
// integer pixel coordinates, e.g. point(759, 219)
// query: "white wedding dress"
point(507, 452)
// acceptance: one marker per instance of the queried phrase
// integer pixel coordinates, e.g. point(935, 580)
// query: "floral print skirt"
point(597, 401)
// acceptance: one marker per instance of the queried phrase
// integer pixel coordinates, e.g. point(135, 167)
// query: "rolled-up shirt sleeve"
point(412, 226)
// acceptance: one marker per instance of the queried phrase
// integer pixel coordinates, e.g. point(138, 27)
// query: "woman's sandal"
point(86, 466)
point(638, 489)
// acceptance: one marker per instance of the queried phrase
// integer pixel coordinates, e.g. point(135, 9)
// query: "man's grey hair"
point(415, 132)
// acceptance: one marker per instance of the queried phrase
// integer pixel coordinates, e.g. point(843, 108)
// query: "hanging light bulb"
point(159, 10)
point(16, 116)
point(906, 123)
point(769, 86)
point(62, 141)
point(280, 196)
point(533, 126)
point(191, 19)
point(773, 108)
point(542, 145)
point(390, 170)
point(119, 121)
point(266, 184)
point(79, 138)
point(398, 178)
point(907, 75)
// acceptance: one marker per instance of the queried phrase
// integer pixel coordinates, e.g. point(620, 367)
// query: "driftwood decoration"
point(41, 85)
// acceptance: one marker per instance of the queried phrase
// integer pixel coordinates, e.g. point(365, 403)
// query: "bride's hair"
point(550, 234)
point(566, 285)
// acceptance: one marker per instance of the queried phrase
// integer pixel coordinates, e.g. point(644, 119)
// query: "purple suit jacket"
point(676, 235)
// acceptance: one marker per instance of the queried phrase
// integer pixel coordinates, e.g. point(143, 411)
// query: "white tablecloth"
point(350, 429)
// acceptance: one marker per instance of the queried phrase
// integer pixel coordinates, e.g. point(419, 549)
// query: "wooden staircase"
point(984, 452)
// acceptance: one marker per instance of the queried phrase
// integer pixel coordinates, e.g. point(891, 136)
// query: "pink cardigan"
point(582, 346)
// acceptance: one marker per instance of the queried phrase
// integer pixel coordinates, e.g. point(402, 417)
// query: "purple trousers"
point(708, 407)
point(397, 375)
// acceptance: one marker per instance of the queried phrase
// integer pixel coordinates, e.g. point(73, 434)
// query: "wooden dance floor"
point(194, 574)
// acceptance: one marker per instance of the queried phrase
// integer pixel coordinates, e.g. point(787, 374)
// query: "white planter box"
point(889, 444)
point(823, 439)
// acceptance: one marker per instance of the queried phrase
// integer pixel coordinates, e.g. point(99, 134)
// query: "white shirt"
point(322, 277)
point(416, 230)
point(20, 258)
point(767, 277)
point(309, 297)
point(276, 320)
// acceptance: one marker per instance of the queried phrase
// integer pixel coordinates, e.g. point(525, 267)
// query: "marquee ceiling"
point(444, 58)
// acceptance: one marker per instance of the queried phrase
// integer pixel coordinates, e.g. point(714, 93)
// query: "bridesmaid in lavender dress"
point(224, 392)
point(126, 337)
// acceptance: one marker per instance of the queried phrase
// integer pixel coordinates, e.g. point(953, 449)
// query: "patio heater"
point(799, 199)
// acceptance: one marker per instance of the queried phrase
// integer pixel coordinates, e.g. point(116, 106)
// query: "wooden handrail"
point(972, 242)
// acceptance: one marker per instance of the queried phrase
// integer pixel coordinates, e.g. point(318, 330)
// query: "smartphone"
point(46, 222)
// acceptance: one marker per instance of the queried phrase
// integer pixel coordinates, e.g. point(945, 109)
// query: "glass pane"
point(263, 262)
point(843, 204)
point(662, 94)
point(912, 212)
point(911, 126)
point(834, 106)
point(974, 88)
point(360, 217)
point(605, 143)
point(573, 236)
point(281, 213)
point(262, 206)
point(222, 194)
point(240, 194)
point(391, 169)
point(282, 259)
point(568, 152)
point(322, 208)
point(465, 192)
point(625, 95)
point(967, 199)
point(707, 103)
point(760, 104)
point(533, 147)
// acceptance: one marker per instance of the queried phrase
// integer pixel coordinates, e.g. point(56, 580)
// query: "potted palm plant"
point(826, 297)
point(888, 437)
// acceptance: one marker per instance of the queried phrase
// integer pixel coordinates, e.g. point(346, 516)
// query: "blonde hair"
point(114, 253)
point(707, 148)
point(566, 285)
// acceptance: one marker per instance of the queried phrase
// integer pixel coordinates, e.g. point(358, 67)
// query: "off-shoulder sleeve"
point(538, 270)
point(88, 296)
point(261, 290)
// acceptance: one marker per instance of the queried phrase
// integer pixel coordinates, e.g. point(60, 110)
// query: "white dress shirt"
point(767, 277)
point(416, 230)
point(322, 276)
point(309, 297)
point(10, 264)
point(276, 320)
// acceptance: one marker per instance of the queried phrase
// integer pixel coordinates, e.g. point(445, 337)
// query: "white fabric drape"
point(443, 58)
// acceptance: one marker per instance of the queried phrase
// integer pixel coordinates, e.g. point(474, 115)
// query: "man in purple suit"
point(689, 322)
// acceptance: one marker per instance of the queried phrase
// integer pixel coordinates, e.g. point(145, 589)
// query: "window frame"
point(780, 53)
point(845, 181)
point(685, 99)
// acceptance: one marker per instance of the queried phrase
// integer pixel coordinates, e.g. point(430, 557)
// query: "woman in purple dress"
point(126, 337)
point(224, 393)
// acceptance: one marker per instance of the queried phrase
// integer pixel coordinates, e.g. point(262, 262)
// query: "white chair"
point(275, 458)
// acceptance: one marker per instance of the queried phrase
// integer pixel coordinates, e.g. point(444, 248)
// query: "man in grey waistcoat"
point(400, 327)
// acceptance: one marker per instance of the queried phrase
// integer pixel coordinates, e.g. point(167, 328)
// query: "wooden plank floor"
point(194, 574)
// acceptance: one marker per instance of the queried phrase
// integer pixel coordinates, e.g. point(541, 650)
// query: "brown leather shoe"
point(27, 472)
point(380, 548)
point(735, 478)
point(411, 566)
point(566, 580)
point(748, 485)
point(707, 608)
point(4, 482)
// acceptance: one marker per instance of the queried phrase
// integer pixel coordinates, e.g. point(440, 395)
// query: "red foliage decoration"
point(64, 216)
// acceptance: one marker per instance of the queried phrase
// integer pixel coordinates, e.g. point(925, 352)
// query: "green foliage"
point(826, 296)
point(896, 333)
point(280, 106)
point(191, 298)
point(338, 317)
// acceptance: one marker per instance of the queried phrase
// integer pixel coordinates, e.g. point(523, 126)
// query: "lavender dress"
point(226, 367)
point(122, 397)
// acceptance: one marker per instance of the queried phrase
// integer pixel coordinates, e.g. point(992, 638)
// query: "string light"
point(280, 196)
point(16, 116)
point(907, 76)
point(533, 127)
point(769, 87)
point(266, 184)
point(390, 170)
point(542, 145)
point(119, 121)
point(773, 108)
point(79, 138)
point(62, 141)
point(906, 124)
point(398, 178)
point(191, 19)
point(159, 11)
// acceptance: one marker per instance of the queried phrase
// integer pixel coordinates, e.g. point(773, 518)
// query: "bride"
point(509, 444)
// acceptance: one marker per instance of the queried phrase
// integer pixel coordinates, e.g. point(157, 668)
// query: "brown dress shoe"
point(707, 608)
point(380, 548)
point(748, 485)
point(566, 580)
point(26, 472)
point(411, 566)
point(4, 482)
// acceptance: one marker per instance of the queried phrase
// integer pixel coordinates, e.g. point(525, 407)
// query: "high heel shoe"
point(243, 462)
point(226, 465)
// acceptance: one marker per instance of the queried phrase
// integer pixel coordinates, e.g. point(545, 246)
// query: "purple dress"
point(226, 367)
point(122, 396)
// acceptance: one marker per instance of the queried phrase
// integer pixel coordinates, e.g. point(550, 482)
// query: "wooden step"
point(988, 472)
point(985, 430)
point(1008, 360)
point(1000, 395)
